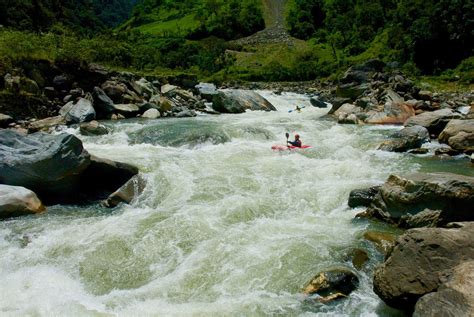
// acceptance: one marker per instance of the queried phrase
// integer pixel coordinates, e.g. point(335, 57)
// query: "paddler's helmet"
point(297, 136)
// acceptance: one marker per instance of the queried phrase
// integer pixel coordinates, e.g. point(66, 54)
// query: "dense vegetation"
point(434, 34)
point(82, 16)
point(424, 37)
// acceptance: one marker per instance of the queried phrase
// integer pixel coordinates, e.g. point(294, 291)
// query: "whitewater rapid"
point(225, 227)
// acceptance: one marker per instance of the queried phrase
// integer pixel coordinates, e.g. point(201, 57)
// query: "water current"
point(225, 227)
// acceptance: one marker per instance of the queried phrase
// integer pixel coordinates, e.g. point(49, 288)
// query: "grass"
point(180, 26)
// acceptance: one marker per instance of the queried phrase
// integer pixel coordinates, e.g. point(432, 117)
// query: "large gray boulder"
point(434, 121)
point(93, 128)
point(406, 139)
point(459, 134)
point(79, 111)
point(46, 124)
point(50, 165)
point(455, 297)
point(421, 262)
point(207, 91)
point(18, 201)
point(402, 198)
point(238, 101)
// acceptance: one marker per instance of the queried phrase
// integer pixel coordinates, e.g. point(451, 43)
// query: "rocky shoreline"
point(426, 269)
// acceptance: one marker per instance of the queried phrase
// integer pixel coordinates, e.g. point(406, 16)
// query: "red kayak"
point(279, 147)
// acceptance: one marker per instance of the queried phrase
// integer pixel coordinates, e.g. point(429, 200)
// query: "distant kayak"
point(280, 147)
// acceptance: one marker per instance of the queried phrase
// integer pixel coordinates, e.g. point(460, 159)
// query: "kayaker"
point(296, 142)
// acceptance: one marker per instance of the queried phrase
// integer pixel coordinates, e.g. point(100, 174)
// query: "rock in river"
point(18, 201)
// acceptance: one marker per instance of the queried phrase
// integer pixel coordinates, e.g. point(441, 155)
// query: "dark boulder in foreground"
point(50, 165)
point(441, 197)
point(18, 201)
point(238, 100)
point(428, 260)
point(333, 284)
point(57, 168)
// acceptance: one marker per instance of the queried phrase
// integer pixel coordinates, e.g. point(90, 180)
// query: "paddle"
point(287, 136)
point(291, 110)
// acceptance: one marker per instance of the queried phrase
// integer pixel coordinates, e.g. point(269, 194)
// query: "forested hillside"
point(78, 15)
point(432, 37)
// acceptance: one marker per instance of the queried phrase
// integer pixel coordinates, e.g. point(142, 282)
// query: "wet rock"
point(425, 218)
point(420, 262)
point(93, 128)
point(185, 113)
point(418, 151)
point(345, 118)
point(237, 101)
point(337, 102)
point(46, 124)
point(50, 165)
point(447, 151)
point(408, 138)
point(318, 103)
point(333, 282)
point(359, 258)
point(347, 109)
point(453, 298)
point(362, 197)
point(459, 134)
point(18, 201)
point(383, 241)
point(102, 177)
point(403, 197)
point(434, 121)
point(151, 114)
point(129, 191)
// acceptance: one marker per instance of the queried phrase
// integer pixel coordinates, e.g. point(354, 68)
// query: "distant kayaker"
point(298, 109)
point(296, 142)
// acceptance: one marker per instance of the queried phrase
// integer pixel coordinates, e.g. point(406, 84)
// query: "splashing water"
point(225, 227)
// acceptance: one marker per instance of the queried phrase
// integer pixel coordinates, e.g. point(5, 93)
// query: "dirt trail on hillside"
point(275, 30)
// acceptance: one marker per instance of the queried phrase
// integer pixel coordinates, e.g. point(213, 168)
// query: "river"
point(225, 227)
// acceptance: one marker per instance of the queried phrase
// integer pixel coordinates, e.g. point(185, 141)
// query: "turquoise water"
point(225, 227)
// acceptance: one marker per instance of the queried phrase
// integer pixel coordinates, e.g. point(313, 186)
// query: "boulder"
point(338, 281)
point(79, 111)
point(362, 197)
point(129, 191)
point(401, 198)
point(115, 90)
point(361, 73)
point(420, 262)
point(336, 103)
point(406, 139)
point(453, 298)
point(5, 120)
point(50, 165)
point(459, 134)
point(238, 101)
point(393, 113)
point(62, 82)
point(383, 241)
point(102, 103)
point(185, 113)
point(345, 118)
point(351, 91)
point(360, 258)
point(207, 91)
point(12, 83)
point(151, 114)
point(143, 86)
point(46, 124)
point(127, 110)
point(18, 201)
point(434, 121)
point(29, 86)
point(102, 177)
point(168, 90)
point(318, 103)
point(347, 109)
point(93, 128)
